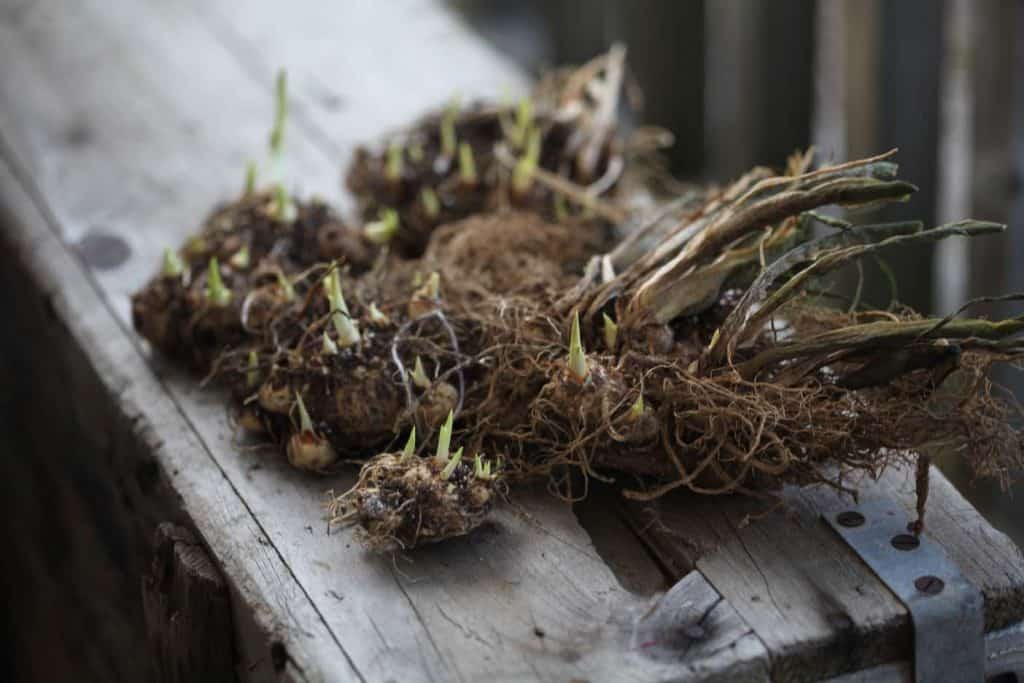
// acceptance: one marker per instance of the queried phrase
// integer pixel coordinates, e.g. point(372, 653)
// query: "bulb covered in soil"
point(175, 312)
point(404, 501)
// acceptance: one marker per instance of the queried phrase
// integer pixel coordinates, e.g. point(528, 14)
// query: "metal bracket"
point(946, 609)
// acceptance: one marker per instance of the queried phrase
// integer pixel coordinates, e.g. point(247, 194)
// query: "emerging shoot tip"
point(252, 373)
point(524, 118)
point(287, 290)
point(329, 348)
point(305, 421)
point(522, 174)
point(444, 437)
point(284, 209)
point(216, 293)
point(384, 228)
point(348, 332)
point(250, 178)
point(410, 445)
point(377, 317)
point(173, 267)
point(280, 114)
point(577, 359)
point(393, 166)
point(419, 376)
point(467, 165)
point(240, 259)
point(432, 288)
point(431, 204)
point(452, 464)
point(611, 332)
point(636, 411)
point(448, 139)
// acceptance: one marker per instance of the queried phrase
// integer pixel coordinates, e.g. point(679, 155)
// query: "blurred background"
point(741, 83)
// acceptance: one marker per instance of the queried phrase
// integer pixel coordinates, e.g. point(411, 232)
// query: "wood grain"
point(188, 611)
point(137, 151)
point(122, 128)
point(819, 610)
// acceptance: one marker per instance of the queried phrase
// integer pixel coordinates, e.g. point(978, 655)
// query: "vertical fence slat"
point(666, 44)
point(759, 84)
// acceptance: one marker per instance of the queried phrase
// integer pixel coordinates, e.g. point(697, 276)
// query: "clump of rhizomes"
point(686, 351)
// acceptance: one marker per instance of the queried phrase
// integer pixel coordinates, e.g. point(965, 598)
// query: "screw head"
point(928, 584)
point(905, 542)
point(850, 518)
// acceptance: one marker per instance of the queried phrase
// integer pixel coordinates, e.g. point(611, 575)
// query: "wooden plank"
point(188, 611)
point(70, 565)
point(359, 70)
point(119, 409)
point(151, 145)
point(818, 609)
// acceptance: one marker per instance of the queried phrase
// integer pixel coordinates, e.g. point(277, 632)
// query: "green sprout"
point(173, 267)
point(522, 173)
point(284, 209)
point(432, 288)
point(382, 230)
point(410, 445)
point(611, 332)
point(636, 410)
point(250, 178)
point(714, 339)
point(287, 290)
point(377, 317)
point(481, 468)
point(419, 375)
point(216, 293)
point(467, 165)
point(252, 373)
point(280, 115)
point(329, 348)
point(240, 259)
point(444, 438)
point(305, 421)
point(431, 204)
point(348, 332)
point(393, 167)
point(196, 245)
point(577, 359)
point(524, 118)
point(448, 139)
point(452, 464)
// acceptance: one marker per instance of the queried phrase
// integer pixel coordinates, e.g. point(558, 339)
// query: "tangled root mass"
point(707, 355)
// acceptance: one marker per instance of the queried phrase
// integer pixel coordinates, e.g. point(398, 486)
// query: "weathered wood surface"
point(122, 128)
point(819, 609)
point(118, 130)
point(188, 611)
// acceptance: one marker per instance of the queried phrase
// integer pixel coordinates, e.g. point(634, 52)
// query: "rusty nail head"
point(905, 542)
point(850, 518)
point(931, 585)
